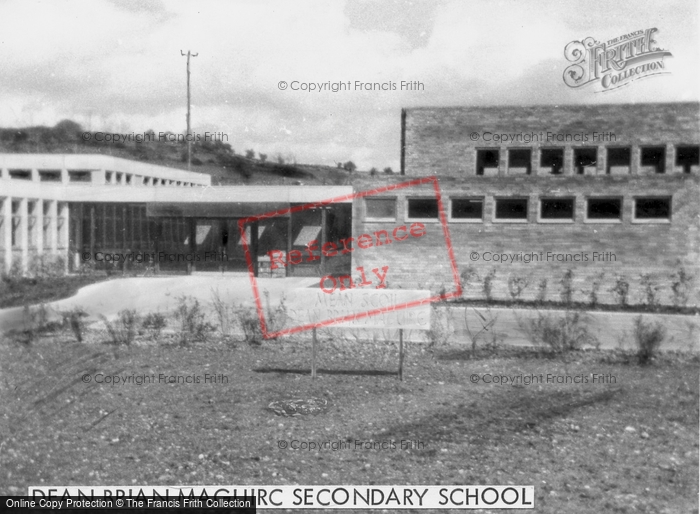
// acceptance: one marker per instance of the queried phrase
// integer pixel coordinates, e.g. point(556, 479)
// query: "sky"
point(116, 66)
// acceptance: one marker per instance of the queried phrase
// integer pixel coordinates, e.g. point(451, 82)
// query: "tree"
point(373, 171)
point(388, 171)
point(250, 154)
point(262, 157)
point(349, 166)
point(67, 130)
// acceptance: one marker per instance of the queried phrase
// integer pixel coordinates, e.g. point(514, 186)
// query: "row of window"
point(515, 209)
point(519, 160)
point(86, 176)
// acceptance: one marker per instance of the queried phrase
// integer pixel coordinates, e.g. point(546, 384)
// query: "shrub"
point(388, 171)
point(567, 289)
point(439, 332)
point(561, 334)
point(621, 289)
point(250, 324)
point(154, 323)
point(516, 286)
point(649, 288)
point(75, 320)
point(592, 293)
point(123, 329)
point(542, 290)
point(487, 323)
point(226, 314)
point(193, 324)
point(680, 286)
point(250, 154)
point(488, 284)
point(647, 337)
point(469, 275)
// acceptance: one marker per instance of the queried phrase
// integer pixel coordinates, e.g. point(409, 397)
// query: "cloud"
point(117, 65)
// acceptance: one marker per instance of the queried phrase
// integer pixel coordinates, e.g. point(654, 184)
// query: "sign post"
point(360, 309)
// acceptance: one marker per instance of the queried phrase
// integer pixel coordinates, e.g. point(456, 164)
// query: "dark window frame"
point(475, 199)
point(498, 201)
point(540, 212)
point(618, 219)
point(665, 219)
point(422, 199)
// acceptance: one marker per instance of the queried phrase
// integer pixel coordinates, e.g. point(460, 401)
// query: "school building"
point(609, 192)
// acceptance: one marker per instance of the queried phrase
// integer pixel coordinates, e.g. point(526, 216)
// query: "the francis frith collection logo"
point(616, 62)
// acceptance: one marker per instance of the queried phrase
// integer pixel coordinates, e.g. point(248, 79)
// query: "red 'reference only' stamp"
point(337, 285)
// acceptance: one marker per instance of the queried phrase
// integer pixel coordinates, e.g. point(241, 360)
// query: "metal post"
point(401, 354)
point(313, 356)
point(324, 221)
point(189, 142)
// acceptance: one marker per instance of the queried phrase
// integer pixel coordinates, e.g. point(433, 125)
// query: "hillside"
point(216, 159)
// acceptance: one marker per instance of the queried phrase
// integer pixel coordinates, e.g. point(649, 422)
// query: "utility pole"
point(189, 142)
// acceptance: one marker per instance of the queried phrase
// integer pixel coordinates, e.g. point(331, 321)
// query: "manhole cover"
point(299, 406)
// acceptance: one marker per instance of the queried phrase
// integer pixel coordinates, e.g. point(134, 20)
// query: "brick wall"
point(444, 141)
point(639, 248)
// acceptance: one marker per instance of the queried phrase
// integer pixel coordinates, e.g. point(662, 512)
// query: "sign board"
point(360, 308)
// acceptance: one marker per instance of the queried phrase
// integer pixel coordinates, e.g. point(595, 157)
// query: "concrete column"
point(568, 168)
point(24, 233)
point(39, 226)
point(52, 243)
point(65, 178)
point(635, 160)
point(4, 173)
point(7, 231)
point(670, 164)
point(35, 175)
point(602, 161)
point(535, 160)
point(62, 231)
point(97, 178)
point(502, 161)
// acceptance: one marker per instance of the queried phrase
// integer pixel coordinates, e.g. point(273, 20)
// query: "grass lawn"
point(17, 292)
point(627, 446)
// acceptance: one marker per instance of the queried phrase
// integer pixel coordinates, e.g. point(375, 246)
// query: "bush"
point(225, 313)
point(542, 290)
point(592, 293)
point(561, 334)
point(123, 329)
point(647, 337)
point(488, 284)
point(649, 288)
point(154, 323)
point(75, 320)
point(567, 286)
point(621, 289)
point(516, 286)
point(250, 324)
point(680, 286)
point(193, 324)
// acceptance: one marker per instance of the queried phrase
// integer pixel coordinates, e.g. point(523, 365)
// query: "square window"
point(467, 209)
point(422, 208)
point(584, 158)
point(511, 209)
point(604, 209)
point(619, 160)
point(552, 158)
point(519, 160)
point(652, 208)
point(687, 156)
point(380, 208)
point(557, 209)
point(487, 162)
point(655, 157)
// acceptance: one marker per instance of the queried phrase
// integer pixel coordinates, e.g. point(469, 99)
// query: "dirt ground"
point(628, 444)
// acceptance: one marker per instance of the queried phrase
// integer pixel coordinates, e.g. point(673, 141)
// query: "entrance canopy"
point(214, 209)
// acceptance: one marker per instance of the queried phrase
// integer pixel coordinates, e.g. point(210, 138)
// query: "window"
point(557, 209)
point(553, 159)
point(467, 209)
point(585, 158)
point(687, 156)
point(50, 175)
point(79, 176)
point(618, 160)
point(519, 161)
point(380, 208)
point(487, 162)
point(422, 208)
point(652, 208)
point(604, 209)
point(654, 157)
point(21, 174)
point(511, 209)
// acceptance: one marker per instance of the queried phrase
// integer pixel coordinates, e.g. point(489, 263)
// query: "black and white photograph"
point(368, 255)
